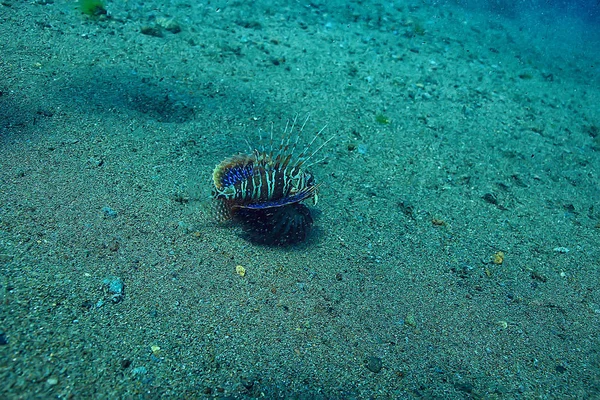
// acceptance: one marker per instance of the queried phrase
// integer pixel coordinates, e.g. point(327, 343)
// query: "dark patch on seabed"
point(453, 252)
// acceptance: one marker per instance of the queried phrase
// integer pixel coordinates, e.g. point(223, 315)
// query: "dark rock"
point(464, 387)
point(490, 198)
point(248, 383)
point(155, 31)
point(87, 304)
point(374, 364)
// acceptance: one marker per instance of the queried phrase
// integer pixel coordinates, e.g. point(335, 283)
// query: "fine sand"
point(456, 248)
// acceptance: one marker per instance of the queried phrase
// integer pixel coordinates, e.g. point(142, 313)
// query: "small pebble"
point(52, 381)
point(171, 26)
point(240, 270)
point(410, 320)
point(116, 288)
point(490, 198)
point(247, 382)
point(139, 371)
point(109, 212)
point(560, 368)
point(498, 257)
point(537, 275)
point(374, 364)
point(155, 30)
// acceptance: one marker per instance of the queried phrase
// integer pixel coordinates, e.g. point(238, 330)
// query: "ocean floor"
point(456, 248)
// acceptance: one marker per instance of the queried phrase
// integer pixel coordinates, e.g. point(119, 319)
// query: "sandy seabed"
point(456, 244)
